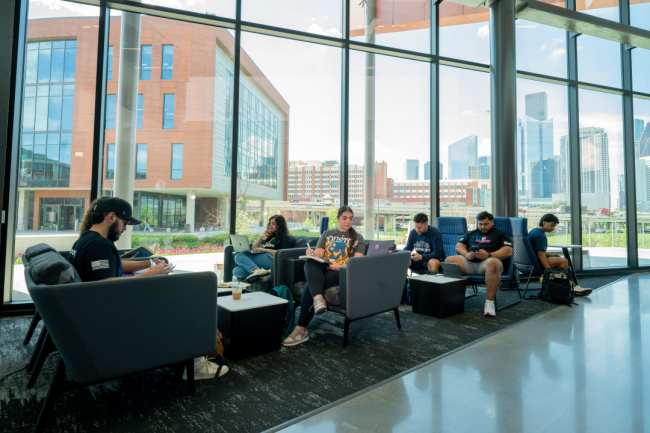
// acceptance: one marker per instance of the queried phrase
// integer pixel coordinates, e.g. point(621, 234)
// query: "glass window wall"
point(543, 160)
point(602, 177)
point(465, 144)
point(389, 107)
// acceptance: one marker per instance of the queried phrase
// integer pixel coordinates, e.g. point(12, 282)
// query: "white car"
point(354, 204)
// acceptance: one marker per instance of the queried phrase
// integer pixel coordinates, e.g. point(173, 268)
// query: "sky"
point(308, 77)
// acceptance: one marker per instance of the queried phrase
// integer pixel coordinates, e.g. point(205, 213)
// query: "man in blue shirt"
point(425, 244)
point(538, 241)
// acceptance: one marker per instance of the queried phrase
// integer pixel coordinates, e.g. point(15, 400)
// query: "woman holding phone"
point(257, 263)
point(336, 246)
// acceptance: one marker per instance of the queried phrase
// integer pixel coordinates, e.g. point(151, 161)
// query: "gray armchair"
point(109, 329)
point(298, 248)
point(368, 286)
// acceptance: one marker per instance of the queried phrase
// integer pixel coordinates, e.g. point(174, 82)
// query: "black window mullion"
point(234, 170)
point(100, 102)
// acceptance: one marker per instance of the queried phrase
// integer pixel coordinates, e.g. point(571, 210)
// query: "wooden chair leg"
point(399, 325)
point(346, 332)
point(189, 367)
point(32, 328)
point(56, 389)
point(37, 349)
point(47, 348)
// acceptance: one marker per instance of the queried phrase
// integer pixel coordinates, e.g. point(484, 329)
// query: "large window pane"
point(322, 17)
point(188, 106)
point(599, 61)
point(401, 24)
point(541, 49)
point(221, 8)
point(640, 68)
point(145, 62)
point(56, 140)
point(642, 175)
point(289, 134)
point(543, 168)
point(602, 9)
point(640, 14)
point(464, 32)
point(466, 188)
point(601, 174)
point(389, 106)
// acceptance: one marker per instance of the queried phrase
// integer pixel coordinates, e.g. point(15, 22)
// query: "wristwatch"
point(489, 255)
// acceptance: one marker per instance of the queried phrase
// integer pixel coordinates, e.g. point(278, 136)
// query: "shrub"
point(184, 251)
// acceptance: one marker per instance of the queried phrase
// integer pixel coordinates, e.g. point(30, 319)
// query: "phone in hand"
point(171, 267)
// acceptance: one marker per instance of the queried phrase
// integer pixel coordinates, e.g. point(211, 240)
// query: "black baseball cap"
point(122, 209)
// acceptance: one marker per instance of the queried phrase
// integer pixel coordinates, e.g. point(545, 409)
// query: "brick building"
point(183, 156)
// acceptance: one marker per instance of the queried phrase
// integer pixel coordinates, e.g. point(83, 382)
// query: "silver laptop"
point(377, 248)
point(241, 245)
point(451, 270)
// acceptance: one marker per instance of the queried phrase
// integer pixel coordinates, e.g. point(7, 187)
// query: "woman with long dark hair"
point(337, 246)
point(257, 263)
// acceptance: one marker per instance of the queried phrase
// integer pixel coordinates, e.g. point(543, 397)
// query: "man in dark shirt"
point(94, 254)
point(481, 252)
point(95, 257)
point(425, 244)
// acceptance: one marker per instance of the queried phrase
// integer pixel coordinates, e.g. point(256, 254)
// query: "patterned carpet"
point(258, 393)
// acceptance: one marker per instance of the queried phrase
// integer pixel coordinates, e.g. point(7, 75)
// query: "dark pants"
point(319, 277)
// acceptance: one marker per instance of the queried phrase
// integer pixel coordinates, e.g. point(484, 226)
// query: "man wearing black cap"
point(95, 256)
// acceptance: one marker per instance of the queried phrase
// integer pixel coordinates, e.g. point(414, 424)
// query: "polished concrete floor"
point(581, 369)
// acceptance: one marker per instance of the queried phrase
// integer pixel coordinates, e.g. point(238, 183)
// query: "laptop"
point(241, 245)
point(451, 270)
point(377, 248)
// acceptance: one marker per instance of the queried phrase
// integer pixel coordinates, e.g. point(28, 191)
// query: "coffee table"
point(437, 296)
point(251, 326)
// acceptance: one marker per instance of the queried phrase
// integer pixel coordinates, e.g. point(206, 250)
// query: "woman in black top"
point(256, 264)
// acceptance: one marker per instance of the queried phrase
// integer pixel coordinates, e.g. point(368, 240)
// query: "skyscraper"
point(542, 178)
point(535, 140)
point(537, 106)
point(621, 192)
point(461, 155)
point(412, 169)
point(594, 167)
point(427, 170)
point(644, 141)
point(483, 160)
point(440, 172)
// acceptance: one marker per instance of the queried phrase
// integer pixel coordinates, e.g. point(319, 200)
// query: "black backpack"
point(556, 287)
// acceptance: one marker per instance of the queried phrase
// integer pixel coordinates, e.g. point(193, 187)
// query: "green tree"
point(309, 221)
point(558, 203)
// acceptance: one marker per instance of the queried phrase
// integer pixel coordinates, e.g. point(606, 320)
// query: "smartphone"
point(171, 267)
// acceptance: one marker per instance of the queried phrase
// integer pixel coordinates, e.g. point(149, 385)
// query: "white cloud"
point(483, 32)
point(543, 47)
point(557, 54)
point(315, 28)
point(468, 113)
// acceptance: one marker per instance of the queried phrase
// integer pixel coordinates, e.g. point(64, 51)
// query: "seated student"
point(276, 237)
point(481, 252)
point(95, 257)
point(337, 246)
point(427, 242)
point(537, 238)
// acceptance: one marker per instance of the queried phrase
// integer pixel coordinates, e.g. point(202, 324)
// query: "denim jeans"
point(249, 262)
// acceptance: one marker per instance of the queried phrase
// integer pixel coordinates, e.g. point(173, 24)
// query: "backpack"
point(556, 287)
point(284, 293)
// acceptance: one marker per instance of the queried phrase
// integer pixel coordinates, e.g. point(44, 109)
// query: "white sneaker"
point(580, 291)
point(298, 336)
point(489, 309)
point(206, 370)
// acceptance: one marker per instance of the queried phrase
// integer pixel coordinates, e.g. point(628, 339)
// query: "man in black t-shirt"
point(481, 252)
point(96, 258)
point(94, 255)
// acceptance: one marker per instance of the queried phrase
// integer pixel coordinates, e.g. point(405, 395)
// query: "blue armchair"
point(452, 230)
